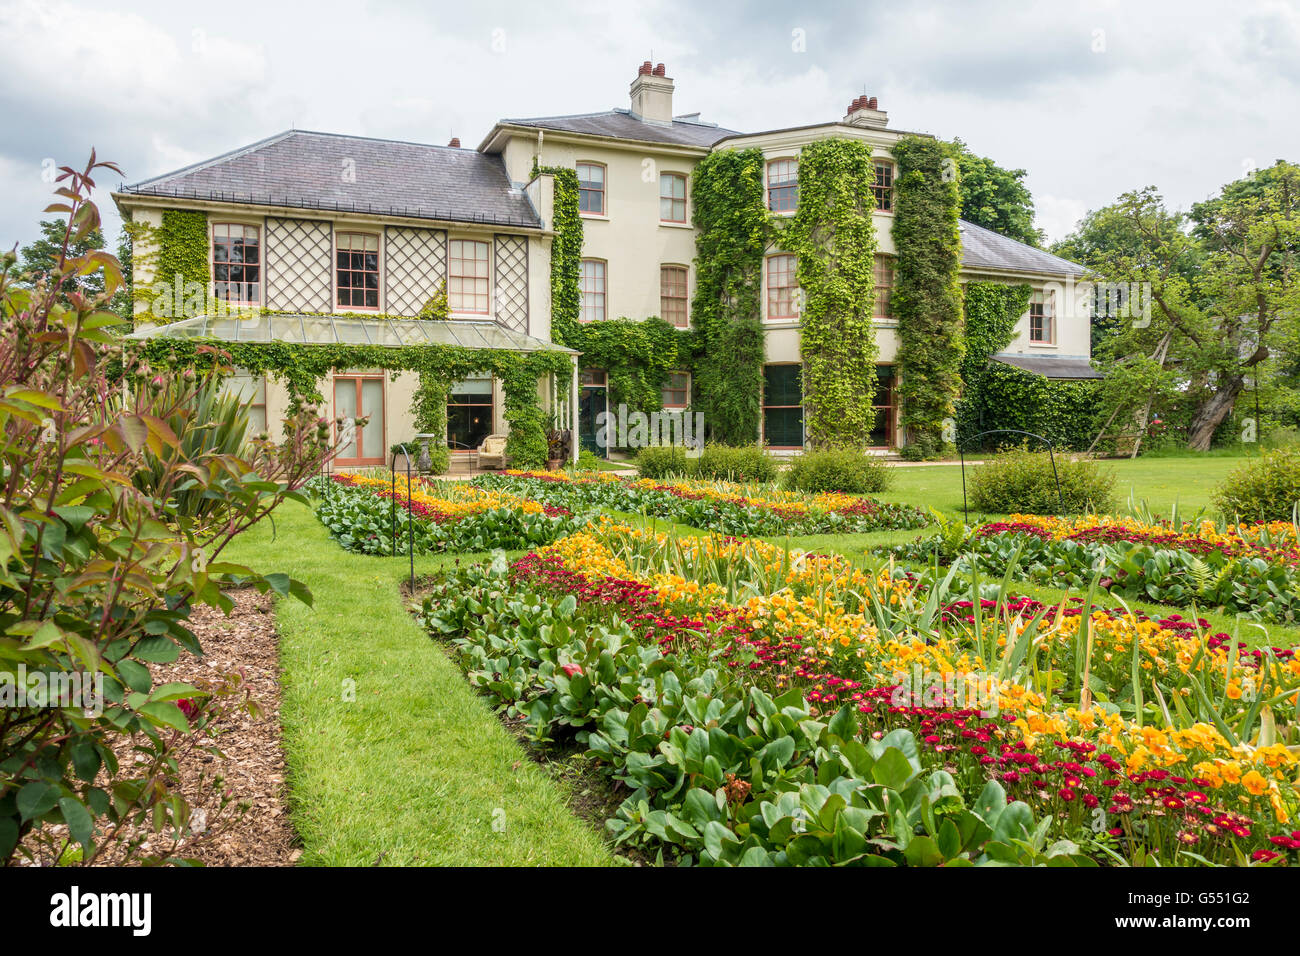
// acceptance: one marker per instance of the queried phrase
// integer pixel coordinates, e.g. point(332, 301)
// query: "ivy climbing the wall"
point(926, 298)
point(182, 250)
point(992, 311)
point(1063, 410)
point(996, 395)
point(637, 357)
point(303, 367)
point(566, 255)
point(733, 228)
point(834, 239)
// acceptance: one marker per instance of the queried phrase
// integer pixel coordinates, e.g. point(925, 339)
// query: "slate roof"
point(304, 169)
point(621, 124)
point(985, 249)
point(1051, 366)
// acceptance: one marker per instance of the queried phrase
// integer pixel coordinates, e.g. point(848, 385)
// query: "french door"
point(360, 396)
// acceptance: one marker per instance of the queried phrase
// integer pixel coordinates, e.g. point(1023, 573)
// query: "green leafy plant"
point(1024, 481)
point(665, 461)
point(744, 463)
point(926, 298)
point(98, 574)
point(214, 423)
point(834, 240)
point(733, 230)
point(1266, 489)
point(844, 469)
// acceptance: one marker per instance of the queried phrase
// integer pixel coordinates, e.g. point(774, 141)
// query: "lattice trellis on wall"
point(415, 267)
point(298, 254)
point(511, 295)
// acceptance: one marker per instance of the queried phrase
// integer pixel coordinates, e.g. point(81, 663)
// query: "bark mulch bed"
point(253, 828)
point(253, 767)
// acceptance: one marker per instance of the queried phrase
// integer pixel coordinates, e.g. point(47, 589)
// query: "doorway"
point(593, 400)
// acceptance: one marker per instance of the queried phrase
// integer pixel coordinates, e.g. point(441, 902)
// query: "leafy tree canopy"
point(995, 198)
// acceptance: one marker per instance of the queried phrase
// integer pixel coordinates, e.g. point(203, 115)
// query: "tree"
point(40, 257)
point(995, 198)
point(1223, 290)
point(1105, 238)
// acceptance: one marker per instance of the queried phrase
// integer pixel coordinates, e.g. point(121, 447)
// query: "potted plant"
point(557, 448)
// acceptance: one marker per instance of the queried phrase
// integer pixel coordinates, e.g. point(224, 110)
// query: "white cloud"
point(1057, 216)
point(1182, 94)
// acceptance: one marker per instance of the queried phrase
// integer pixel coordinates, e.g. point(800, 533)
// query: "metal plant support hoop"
point(410, 522)
point(961, 446)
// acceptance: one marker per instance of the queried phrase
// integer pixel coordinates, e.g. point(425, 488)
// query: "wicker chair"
point(492, 453)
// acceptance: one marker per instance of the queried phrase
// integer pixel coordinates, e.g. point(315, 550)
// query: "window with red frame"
point(236, 263)
point(591, 189)
point(781, 287)
point(884, 272)
point(677, 390)
point(591, 289)
point(672, 295)
point(360, 396)
point(672, 197)
point(468, 276)
point(884, 186)
point(357, 255)
point(782, 185)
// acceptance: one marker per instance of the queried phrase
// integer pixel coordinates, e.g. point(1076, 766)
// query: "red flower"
point(571, 669)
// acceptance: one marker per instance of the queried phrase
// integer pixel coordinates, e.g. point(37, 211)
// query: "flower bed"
point(714, 506)
point(1130, 738)
point(361, 512)
point(1254, 569)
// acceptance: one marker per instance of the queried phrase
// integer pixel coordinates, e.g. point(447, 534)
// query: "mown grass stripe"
point(415, 770)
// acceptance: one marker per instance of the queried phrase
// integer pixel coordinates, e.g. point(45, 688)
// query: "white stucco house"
point(304, 225)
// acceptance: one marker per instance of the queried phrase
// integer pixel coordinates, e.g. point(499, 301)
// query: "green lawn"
point(1188, 480)
point(416, 769)
point(393, 759)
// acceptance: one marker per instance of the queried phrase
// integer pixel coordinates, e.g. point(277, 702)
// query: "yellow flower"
point(1254, 783)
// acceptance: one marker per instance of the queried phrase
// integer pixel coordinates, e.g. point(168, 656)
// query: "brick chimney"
point(652, 95)
point(455, 142)
point(863, 111)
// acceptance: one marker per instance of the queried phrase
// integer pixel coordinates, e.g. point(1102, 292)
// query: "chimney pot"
point(865, 111)
point(455, 142)
point(652, 95)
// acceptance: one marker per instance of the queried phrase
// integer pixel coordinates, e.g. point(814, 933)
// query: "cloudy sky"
point(1091, 98)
